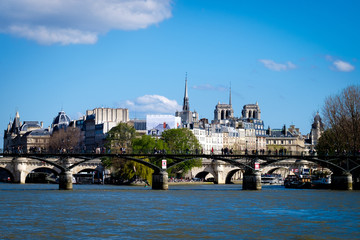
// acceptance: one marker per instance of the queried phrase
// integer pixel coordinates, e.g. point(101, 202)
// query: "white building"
point(99, 121)
point(210, 139)
point(106, 115)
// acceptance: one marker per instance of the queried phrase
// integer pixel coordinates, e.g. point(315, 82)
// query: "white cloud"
point(272, 65)
point(339, 65)
point(47, 36)
point(78, 22)
point(343, 66)
point(152, 104)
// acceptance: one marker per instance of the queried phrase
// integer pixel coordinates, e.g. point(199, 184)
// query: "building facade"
point(285, 141)
point(29, 136)
point(98, 122)
point(317, 128)
point(223, 112)
point(251, 121)
point(111, 115)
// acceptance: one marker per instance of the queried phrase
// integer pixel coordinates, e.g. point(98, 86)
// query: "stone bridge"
point(222, 167)
point(20, 167)
point(226, 173)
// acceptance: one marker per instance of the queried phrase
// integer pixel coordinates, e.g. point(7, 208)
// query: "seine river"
point(41, 211)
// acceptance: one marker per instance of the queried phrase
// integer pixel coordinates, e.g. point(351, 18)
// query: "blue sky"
point(76, 55)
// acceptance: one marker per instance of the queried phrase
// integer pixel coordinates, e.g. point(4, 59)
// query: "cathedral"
point(223, 112)
point(187, 117)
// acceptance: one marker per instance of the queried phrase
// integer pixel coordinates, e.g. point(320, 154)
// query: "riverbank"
point(189, 183)
point(178, 183)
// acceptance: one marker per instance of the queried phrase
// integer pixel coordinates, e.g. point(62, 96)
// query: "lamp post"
point(256, 146)
point(246, 150)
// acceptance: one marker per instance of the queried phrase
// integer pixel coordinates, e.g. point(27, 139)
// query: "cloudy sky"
point(76, 55)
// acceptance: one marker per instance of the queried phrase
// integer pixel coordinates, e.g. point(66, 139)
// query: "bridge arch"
point(6, 175)
point(204, 175)
point(89, 175)
point(88, 166)
point(284, 165)
point(283, 171)
point(230, 175)
point(42, 175)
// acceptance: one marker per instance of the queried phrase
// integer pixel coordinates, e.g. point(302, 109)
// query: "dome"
point(30, 125)
point(317, 118)
point(317, 122)
point(61, 120)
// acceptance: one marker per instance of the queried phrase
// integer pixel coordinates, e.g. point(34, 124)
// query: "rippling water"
point(183, 212)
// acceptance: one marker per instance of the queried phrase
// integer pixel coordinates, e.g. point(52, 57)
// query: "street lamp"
point(256, 146)
point(246, 150)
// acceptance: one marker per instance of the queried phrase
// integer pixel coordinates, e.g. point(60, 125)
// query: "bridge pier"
point(160, 181)
point(252, 181)
point(342, 182)
point(65, 180)
point(220, 176)
point(20, 173)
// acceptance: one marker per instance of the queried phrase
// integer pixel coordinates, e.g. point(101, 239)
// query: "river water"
point(40, 211)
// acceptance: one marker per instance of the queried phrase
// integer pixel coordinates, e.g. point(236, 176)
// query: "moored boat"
point(321, 183)
point(300, 182)
point(271, 179)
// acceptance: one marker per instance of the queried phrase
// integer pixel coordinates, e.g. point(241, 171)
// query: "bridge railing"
point(149, 153)
point(225, 151)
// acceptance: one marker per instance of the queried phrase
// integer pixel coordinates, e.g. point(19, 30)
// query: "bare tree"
point(65, 140)
point(342, 119)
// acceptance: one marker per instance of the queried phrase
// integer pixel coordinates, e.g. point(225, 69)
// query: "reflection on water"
point(195, 211)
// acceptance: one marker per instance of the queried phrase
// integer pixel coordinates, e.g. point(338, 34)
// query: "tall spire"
point(186, 106)
point(16, 123)
point(230, 95)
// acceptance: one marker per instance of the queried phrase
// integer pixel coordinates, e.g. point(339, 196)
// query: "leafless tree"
point(65, 140)
point(342, 118)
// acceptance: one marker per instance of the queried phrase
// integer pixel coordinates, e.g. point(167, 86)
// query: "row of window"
point(36, 140)
point(278, 142)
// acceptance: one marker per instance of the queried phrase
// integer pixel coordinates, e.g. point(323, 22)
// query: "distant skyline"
point(286, 55)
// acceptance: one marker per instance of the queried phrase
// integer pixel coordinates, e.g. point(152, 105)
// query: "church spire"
point(16, 123)
point(230, 95)
point(186, 106)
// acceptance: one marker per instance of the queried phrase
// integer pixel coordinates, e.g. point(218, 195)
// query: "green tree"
point(147, 144)
point(126, 171)
point(328, 143)
point(120, 138)
point(181, 141)
point(123, 137)
point(144, 145)
point(173, 141)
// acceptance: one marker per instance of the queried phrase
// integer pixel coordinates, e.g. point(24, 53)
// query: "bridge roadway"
point(19, 165)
